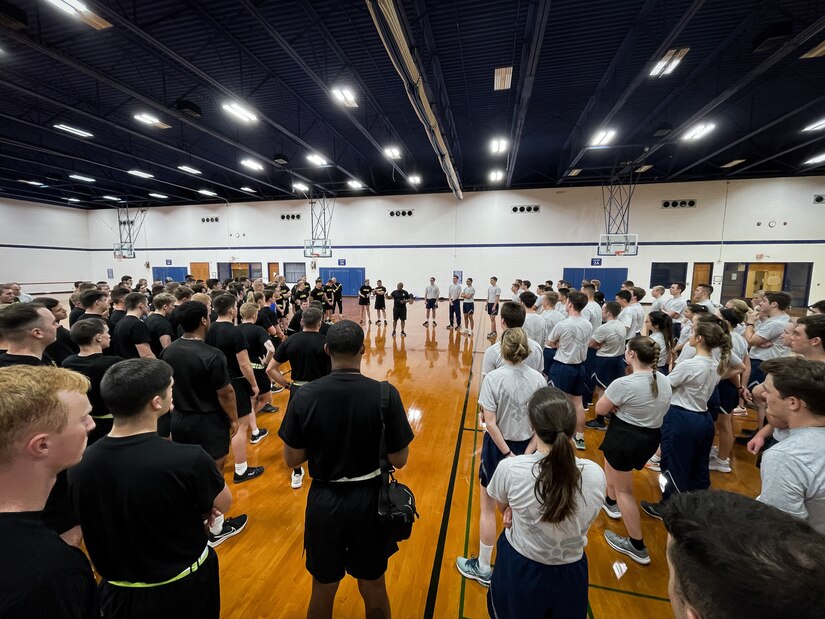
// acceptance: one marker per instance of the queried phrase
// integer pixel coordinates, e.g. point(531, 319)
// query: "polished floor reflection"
point(437, 373)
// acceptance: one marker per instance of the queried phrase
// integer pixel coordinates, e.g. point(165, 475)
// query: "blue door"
point(177, 274)
point(349, 278)
point(611, 279)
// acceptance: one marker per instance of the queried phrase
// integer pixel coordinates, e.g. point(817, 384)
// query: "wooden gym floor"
point(437, 373)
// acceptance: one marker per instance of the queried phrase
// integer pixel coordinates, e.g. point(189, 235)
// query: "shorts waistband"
point(346, 480)
point(145, 585)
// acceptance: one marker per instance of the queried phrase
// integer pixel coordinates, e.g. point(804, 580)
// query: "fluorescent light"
point(345, 96)
point(141, 174)
point(148, 119)
point(502, 78)
point(189, 169)
point(643, 168)
point(34, 183)
point(206, 192)
point(496, 175)
point(252, 164)
point(248, 189)
point(112, 198)
point(498, 145)
point(697, 132)
point(603, 137)
point(71, 199)
point(80, 177)
point(817, 159)
point(733, 163)
point(574, 172)
point(78, 9)
point(415, 179)
point(73, 130)
point(159, 196)
point(816, 52)
point(392, 152)
point(669, 62)
point(820, 124)
point(316, 159)
point(355, 184)
point(240, 112)
point(300, 187)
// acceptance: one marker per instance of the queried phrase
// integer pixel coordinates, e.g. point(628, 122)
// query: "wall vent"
point(819, 198)
point(291, 216)
point(210, 220)
point(525, 208)
point(406, 213)
point(684, 203)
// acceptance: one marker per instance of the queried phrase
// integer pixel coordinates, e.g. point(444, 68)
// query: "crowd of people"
point(114, 433)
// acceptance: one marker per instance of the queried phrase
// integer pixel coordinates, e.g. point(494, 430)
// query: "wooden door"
point(199, 270)
point(702, 274)
point(274, 270)
point(764, 276)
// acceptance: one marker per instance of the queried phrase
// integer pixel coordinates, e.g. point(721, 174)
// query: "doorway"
point(274, 270)
point(702, 274)
point(764, 276)
point(199, 270)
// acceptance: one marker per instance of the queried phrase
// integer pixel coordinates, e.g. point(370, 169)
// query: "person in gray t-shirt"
point(431, 294)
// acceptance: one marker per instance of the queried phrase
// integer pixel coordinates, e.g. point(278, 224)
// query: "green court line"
point(469, 515)
point(590, 612)
point(633, 593)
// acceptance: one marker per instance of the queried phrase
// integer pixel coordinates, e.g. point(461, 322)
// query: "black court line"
point(435, 575)
point(633, 593)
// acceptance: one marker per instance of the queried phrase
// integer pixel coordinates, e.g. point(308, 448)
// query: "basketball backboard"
point(618, 245)
point(317, 248)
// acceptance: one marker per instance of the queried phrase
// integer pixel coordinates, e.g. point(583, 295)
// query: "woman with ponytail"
point(660, 330)
point(503, 400)
point(687, 431)
point(549, 500)
point(641, 400)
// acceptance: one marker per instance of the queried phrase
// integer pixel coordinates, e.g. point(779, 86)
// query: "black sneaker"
point(231, 526)
point(268, 408)
point(403, 334)
point(251, 473)
point(385, 323)
point(449, 327)
point(276, 388)
point(435, 324)
point(652, 509)
point(595, 424)
point(258, 436)
point(393, 333)
point(427, 323)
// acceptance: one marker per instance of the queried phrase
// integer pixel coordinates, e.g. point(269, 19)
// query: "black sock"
point(609, 501)
point(297, 471)
point(600, 419)
point(638, 544)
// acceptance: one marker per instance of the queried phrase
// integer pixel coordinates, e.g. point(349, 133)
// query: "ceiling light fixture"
point(300, 187)
point(316, 159)
point(78, 9)
point(392, 152)
point(248, 189)
point(697, 132)
point(141, 174)
point(189, 169)
point(817, 159)
point(35, 183)
point(159, 196)
point(733, 163)
point(643, 168)
point(496, 176)
point(502, 78)
point(239, 111)
point(574, 172)
point(669, 62)
point(820, 124)
point(80, 177)
point(71, 199)
point(252, 164)
point(112, 198)
point(603, 137)
point(415, 179)
point(153, 121)
point(355, 184)
point(280, 159)
point(345, 96)
point(206, 192)
point(73, 130)
point(498, 146)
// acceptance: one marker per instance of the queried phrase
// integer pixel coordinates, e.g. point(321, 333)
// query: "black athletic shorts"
point(264, 382)
point(363, 301)
point(380, 303)
point(431, 303)
point(209, 430)
point(627, 447)
point(399, 313)
point(342, 534)
point(492, 309)
point(243, 396)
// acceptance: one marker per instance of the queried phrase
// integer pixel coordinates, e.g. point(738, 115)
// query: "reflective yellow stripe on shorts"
point(143, 585)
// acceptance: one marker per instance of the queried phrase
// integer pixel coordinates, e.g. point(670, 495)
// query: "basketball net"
point(619, 252)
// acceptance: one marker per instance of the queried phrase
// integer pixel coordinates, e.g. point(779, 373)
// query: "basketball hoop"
point(619, 252)
point(314, 256)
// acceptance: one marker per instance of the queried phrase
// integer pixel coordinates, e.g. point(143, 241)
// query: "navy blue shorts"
point(570, 378)
point(549, 355)
point(608, 369)
point(728, 397)
point(468, 307)
point(431, 303)
point(492, 309)
point(491, 456)
point(757, 375)
point(663, 369)
point(714, 403)
point(522, 588)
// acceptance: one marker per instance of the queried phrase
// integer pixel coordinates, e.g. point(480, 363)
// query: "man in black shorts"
point(143, 502)
point(334, 423)
point(44, 418)
point(329, 301)
point(380, 302)
point(338, 297)
point(401, 298)
point(205, 413)
point(260, 350)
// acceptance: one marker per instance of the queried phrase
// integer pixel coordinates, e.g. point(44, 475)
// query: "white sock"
point(240, 468)
point(579, 435)
point(485, 555)
point(217, 526)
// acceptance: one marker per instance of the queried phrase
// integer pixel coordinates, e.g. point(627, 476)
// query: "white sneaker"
point(297, 479)
point(714, 451)
point(654, 464)
point(740, 411)
point(722, 466)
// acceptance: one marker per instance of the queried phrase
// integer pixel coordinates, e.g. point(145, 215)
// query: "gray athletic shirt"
point(636, 403)
point(535, 328)
point(432, 292)
point(572, 334)
point(506, 391)
point(551, 544)
point(492, 293)
point(493, 358)
point(771, 329)
point(593, 312)
point(455, 292)
point(657, 337)
point(611, 336)
point(469, 294)
point(693, 381)
point(676, 305)
point(627, 317)
point(793, 476)
point(638, 318)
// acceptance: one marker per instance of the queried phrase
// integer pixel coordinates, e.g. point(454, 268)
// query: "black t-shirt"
point(300, 295)
point(400, 297)
point(42, 575)
point(317, 294)
point(225, 337)
point(284, 291)
point(7, 359)
point(129, 332)
point(142, 502)
point(306, 355)
point(94, 367)
point(173, 320)
point(365, 291)
point(115, 316)
point(380, 291)
point(63, 347)
point(200, 370)
point(264, 320)
point(329, 293)
point(157, 326)
point(337, 420)
point(338, 290)
point(76, 313)
point(256, 339)
point(295, 322)
point(85, 316)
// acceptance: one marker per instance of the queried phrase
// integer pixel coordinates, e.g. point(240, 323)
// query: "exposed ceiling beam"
point(537, 17)
point(781, 154)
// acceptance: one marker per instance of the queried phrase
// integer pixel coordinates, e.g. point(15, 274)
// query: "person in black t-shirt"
point(95, 304)
point(118, 309)
point(42, 576)
point(158, 324)
point(63, 346)
point(329, 301)
point(267, 319)
point(260, 350)
point(338, 297)
point(364, 293)
point(129, 478)
point(92, 337)
point(28, 329)
point(317, 293)
point(334, 423)
point(131, 338)
point(300, 294)
point(380, 302)
point(182, 294)
point(226, 337)
point(401, 298)
point(77, 309)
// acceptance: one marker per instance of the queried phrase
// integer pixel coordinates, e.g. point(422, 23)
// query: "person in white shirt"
point(675, 306)
point(551, 318)
point(793, 470)
point(561, 306)
point(627, 315)
point(570, 338)
point(534, 325)
point(468, 306)
point(658, 304)
point(702, 296)
point(431, 294)
point(609, 343)
point(512, 315)
point(691, 310)
point(640, 401)
point(688, 430)
point(660, 329)
point(503, 400)
point(540, 290)
point(549, 500)
point(636, 296)
point(515, 289)
point(593, 313)
point(493, 298)
point(454, 294)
